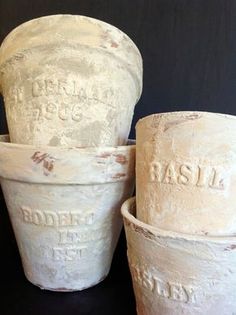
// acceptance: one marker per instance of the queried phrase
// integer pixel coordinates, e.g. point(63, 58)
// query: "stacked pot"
point(70, 84)
point(181, 231)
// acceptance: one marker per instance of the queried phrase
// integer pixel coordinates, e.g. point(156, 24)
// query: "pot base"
point(64, 290)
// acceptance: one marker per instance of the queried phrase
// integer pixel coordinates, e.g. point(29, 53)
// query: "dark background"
point(189, 53)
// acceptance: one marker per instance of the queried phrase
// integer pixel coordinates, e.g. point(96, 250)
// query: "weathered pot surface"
point(186, 172)
point(64, 205)
point(179, 274)
point(69, 80)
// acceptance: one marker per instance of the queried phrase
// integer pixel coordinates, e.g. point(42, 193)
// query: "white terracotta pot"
point(64, 205)
point(179, 274)
point(186, 172)
point(69, 80)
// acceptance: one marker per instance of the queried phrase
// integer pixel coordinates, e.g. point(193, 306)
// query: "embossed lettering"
point(74, 236)
point(36, 111)
point(187, 174)
point(50, 218)
point(66, 87)
point(50, 87)
point(190, 294)
point(166, 289)
point(65, 219)
point(51, 109)
point(70, 87)
point(155, 171)
point(76, 113)
point(161, 287)
point(68, 254)
point(170, 176)
point(54, 87)
point(77, 219)
point(15, 94)
point(177, 292)
point(63, 112)
point(143, 278)
point(218, 180)
point(202, 176)
point(26, 214)
point(38, 88)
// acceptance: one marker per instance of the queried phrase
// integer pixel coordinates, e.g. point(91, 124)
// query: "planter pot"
point(186, 172)
point(179, 274)
point(69, 81)
point(64, 208)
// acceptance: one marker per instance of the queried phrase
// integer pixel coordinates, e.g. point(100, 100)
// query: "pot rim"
point(128, 211)
point(187, 112)
point(71, 16)
point(66, 166)
point(134, 64)
point(5, 141)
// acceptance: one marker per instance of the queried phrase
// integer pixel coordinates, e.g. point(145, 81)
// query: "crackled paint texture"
point(69, 81)
point(64, 206)
point(179, 274)
point(186, 172)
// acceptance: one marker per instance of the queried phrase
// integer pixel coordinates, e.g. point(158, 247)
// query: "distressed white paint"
point(69, 80)
point(186, 172)
point(64, 206)
point(179, 274)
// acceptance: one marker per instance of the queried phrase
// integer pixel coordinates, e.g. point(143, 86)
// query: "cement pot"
point(64, 205)
point(186, 172)
point(69, 80)
point(179, 274)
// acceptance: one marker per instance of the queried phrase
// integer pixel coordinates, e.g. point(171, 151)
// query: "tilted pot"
point(180, 274)
point(186, 172)
point(64, 205)
point(69, 80)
